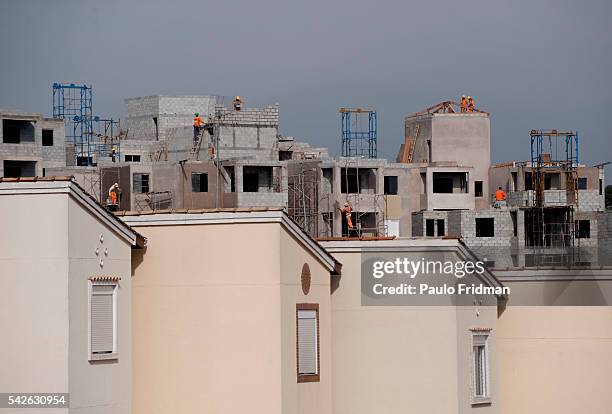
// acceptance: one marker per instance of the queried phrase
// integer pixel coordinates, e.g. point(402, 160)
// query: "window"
point(528, 182)
point(250, 183)
point(440, 227)
point(583, 229)
point(391, 185)
point(582, 183)
point(199, 182)
point(513, 216)
point(103, 320)
point(600, 186)
point(307, 324)
point(429, 227)
point(477, 188)
point(480, 368)
point(47, 137)
point(132, 158)
point(141, 183)
point(485, 227)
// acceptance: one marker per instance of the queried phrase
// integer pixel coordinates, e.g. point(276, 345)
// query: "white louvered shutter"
point(307, 342)
point(102, 319)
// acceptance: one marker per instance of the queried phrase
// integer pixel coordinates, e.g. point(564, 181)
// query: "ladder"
point(412, 142)
point(195, 150)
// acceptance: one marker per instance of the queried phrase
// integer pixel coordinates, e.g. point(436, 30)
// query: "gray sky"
point(531, 63)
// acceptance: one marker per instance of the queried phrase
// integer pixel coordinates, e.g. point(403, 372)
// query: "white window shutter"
point(307, 342)
point(102, 319)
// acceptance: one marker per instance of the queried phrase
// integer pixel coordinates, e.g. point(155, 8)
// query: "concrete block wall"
point(419, 222)
point(45, 156)
point(170, 111)
point(503, 228)
point(604, 237)
point(262, 199)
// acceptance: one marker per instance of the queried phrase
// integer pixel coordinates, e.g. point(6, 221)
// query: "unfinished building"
point(30, 144)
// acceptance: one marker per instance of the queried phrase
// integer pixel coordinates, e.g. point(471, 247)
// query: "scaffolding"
point(553, 226)
point(303, 199)
point(359, 132)
point(90, 137)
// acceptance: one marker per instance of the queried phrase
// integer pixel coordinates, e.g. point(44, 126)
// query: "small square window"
point(307, 325)
point(47, 137)
point(199, 183)
point(391, 185)
point(141, 183)
point(485, 227)
point(582, 183)
point(103, 320)
point(132, 158)
point(583, 229)
point(477, 188)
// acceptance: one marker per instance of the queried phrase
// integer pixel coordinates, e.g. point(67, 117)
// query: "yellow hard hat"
point(237, 98)
point(469, 97)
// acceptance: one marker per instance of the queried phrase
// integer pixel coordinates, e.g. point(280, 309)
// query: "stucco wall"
point(34, 294)
point(97, 386)
point(398, 359)
point(555, 359)
point(305, 397)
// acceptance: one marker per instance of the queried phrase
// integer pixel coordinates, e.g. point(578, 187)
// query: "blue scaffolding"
point(90, 136)
point(554, 148)
point(359, 132)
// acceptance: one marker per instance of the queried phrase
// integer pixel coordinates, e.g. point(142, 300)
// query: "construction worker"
point(346, 210)
point(470, 104)
point(113, 196)
point(237, 103)
point(197, 126)
point(464, 103)
point(500, 197)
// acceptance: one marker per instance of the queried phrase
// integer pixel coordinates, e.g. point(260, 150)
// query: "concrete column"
point(380, 181)
point(238, 178)
point(337, 196)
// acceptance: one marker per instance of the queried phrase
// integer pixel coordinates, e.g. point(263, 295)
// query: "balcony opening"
point(552, 181)
point(450, 182)
point(16, 131)
point(358, 180)
point(257, 179)
point(17, 169)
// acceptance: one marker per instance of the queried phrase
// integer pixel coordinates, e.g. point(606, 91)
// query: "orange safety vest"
point(197, 122)
point(471, 106)
point(500, 195)
point(463, 104)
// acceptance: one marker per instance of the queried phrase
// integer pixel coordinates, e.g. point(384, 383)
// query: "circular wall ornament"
point(305, 279)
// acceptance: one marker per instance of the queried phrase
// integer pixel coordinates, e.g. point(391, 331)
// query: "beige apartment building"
point(233, 314)
point(65, 296)
point(239, 310)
